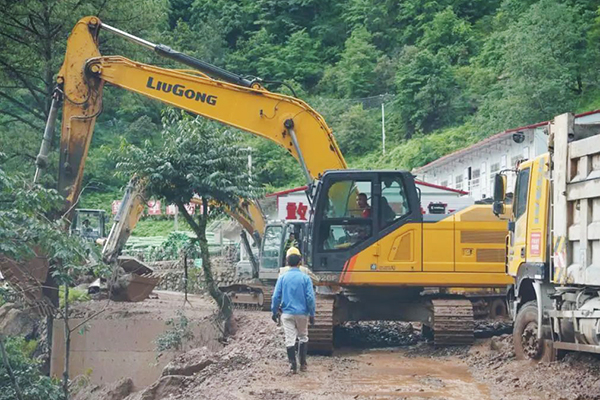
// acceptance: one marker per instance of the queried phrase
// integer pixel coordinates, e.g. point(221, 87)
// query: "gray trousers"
point(294, 326)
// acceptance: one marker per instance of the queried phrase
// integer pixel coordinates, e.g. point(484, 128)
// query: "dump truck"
point(553, 245)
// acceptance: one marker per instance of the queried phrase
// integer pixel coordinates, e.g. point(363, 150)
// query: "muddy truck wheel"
point(527, 345)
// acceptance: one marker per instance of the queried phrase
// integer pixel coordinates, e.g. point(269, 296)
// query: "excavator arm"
point(246, 105)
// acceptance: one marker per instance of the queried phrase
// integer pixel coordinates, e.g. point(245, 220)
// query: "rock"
point(14, 322)
point(119, 390)
point(160, 389)
point(187, 369)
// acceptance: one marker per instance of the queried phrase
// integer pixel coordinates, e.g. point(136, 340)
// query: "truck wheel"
point(498, 309)
point(527, 346)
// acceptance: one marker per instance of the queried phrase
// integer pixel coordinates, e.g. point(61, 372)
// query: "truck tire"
point(526, 344)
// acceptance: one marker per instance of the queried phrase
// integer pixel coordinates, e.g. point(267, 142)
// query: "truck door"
point(517, 234)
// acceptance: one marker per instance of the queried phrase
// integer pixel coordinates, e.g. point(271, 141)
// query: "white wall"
point(484, 162)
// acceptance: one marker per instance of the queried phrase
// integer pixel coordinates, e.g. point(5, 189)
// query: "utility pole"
point(383, 124)
point(250, 163)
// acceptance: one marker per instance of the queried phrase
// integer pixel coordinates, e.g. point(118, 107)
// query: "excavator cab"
point(355, 209)
point(89, 223)
point(278, 238)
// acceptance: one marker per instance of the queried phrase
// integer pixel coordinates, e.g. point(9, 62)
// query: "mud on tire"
point(527, 346)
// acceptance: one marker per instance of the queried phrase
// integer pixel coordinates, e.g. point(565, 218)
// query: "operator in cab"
point(363, 205)
point(295, 295)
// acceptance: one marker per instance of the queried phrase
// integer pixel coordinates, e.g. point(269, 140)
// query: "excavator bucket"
point(25, 277)
point(138, 281)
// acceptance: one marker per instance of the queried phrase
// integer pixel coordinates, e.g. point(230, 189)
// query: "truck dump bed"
point(576, 199)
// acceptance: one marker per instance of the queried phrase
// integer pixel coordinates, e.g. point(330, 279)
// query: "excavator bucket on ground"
point(137, 283)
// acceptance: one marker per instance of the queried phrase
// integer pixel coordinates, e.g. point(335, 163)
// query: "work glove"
point(274, 317)
point(311, 320)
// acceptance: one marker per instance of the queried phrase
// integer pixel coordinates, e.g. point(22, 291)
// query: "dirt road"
point(252, 366)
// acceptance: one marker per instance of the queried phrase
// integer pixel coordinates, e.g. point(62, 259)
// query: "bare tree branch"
point(21, 119)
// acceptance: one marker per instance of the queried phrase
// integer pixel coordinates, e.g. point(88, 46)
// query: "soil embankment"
point(120, 341)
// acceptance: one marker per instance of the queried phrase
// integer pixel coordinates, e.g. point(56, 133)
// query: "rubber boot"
point(291, 352)
point(302, 355)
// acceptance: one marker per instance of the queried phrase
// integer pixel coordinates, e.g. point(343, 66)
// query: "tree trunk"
point(223, 301)
point(65, 382)
point(13, 379)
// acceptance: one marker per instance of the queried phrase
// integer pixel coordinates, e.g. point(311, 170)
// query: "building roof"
point(494, 138)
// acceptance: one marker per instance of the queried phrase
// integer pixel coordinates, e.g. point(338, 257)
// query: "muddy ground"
point(252, 365)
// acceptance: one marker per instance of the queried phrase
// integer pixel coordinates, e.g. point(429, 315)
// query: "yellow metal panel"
point(383, 255)
point(537, 210)
point(479, 240)
point(438, 245)
point(518, 238)
point(443, 279)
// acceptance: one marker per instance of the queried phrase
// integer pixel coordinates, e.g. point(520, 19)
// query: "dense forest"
point(449, 72)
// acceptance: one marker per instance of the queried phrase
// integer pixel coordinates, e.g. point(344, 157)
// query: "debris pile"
point(376, 334)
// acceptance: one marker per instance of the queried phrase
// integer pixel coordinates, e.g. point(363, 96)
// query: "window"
point(444, 184)
point(494, 169)
point(272, 247)
point(514, 161)
point(520, 201)
point(458, 182)
point(475, 178)
point(393, 200)
point(347, 218)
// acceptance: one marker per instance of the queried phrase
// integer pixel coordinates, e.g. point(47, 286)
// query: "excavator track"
point(453, 322)
point(255, 297)
point(267, 292)
point(320, 336)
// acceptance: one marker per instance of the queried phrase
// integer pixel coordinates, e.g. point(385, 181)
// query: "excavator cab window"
point(272, 247)
point(394, 203)
point(348, 217)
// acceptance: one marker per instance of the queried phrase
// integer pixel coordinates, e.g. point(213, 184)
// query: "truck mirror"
point(499, 188)
point(498, 208)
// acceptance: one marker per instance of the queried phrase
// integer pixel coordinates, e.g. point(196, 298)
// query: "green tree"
point(358, 131)
point(448, 35)
point(354, 75)
point(543, 67)
point(25, 370)
point(428, 94)
point(199, 158)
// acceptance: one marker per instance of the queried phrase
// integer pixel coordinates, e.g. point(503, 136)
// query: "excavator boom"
point(285, 120)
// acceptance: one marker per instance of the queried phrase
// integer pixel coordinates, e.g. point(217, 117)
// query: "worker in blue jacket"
point(295, 295)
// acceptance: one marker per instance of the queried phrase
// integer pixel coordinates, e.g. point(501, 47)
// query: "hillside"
point(449, 72)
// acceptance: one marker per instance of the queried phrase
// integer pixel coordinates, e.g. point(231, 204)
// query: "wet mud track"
point(383, 374)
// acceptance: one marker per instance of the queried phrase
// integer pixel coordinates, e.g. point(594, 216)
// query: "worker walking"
point(295, 295)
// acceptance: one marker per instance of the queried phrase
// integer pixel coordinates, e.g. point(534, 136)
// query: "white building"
point(472, 169)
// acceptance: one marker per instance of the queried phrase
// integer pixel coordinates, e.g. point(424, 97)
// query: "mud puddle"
point(386, 374)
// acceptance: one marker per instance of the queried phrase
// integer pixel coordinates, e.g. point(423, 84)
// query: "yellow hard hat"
point(293, 251)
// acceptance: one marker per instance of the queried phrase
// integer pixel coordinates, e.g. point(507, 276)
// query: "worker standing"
point(295, 295)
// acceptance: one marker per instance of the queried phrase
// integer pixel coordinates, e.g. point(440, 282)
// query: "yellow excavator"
point(368, 243)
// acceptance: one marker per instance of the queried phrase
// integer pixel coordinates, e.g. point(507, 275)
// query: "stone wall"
point(172, 274)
